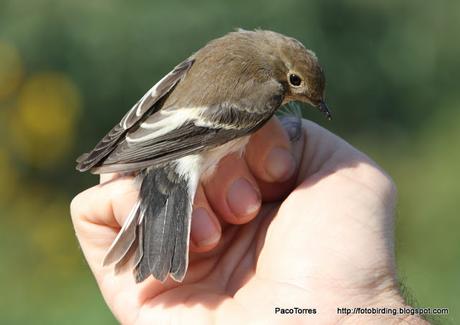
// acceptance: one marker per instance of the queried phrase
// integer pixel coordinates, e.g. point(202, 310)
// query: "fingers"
point(97, 215)
point(205, 226)
point(268, 154)
point(106, 204)
point(109, 203)
point(233, 194)
point(271, 160)
point(107, 177)
point(232, 191)
point(237, 187)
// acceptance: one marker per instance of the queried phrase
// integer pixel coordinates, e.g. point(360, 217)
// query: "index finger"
point(97, 215)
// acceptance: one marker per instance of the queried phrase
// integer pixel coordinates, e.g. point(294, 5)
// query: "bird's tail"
point(166, 206)
point(158, 227)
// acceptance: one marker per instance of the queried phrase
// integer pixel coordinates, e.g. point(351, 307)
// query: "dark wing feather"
point(186, 140)
point(214, 127)
point(144, 107)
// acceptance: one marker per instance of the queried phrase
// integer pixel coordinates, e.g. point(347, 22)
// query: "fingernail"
point(293, 126)
point(279, 164)
point(242, 198)
point(204, 230)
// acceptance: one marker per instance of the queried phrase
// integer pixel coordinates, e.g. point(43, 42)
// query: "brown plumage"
point(207, 106)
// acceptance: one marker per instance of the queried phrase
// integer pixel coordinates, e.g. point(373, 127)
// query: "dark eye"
point(295, 80)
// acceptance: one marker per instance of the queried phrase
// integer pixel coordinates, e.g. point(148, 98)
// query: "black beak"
point(324, 109)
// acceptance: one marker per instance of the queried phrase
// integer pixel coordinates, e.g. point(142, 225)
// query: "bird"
point(204, 109)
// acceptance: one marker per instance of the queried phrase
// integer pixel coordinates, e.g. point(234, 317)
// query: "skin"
point(307, 224)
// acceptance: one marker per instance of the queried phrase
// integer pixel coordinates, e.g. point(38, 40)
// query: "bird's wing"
point(177, 132)
point(143, 108)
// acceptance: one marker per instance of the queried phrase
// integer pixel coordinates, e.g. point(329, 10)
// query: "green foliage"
point(392, 83)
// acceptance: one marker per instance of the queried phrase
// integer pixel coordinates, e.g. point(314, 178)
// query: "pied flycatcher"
point(205, 108)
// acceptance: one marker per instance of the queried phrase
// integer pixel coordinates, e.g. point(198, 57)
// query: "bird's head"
point(298, 69)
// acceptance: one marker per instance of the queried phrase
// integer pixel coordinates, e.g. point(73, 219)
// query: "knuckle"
point(377, 181)
point(391, 191)
point(390, 186)
point(77, 207)
point(385, 186)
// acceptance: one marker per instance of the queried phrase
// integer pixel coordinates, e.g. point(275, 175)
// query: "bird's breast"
point(203, 165)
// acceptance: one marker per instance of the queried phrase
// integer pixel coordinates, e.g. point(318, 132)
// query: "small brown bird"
point(201, 111)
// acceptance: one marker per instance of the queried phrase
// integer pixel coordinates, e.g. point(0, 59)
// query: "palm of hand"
point(327, 244)
point(308, 251)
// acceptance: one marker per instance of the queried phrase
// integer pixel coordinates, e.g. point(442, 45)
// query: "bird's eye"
point(295, 80)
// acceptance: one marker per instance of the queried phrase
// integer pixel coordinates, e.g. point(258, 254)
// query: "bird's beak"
point(324, 109)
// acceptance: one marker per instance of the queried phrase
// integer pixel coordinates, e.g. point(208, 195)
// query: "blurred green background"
point(70, 69)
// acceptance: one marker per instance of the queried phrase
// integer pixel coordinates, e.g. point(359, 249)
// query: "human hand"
point(307, 224)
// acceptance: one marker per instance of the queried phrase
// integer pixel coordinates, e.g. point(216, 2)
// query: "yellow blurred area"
point(8, 177)
point(42, 126)
point(49, 233)
point(11, 70)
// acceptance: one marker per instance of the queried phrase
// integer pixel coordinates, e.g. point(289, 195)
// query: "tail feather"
point(126, 262)
point(160, 239)
point(140, 245)
point(157, 229)
point(182, 211)
point(166, 213)
point(125, 238)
